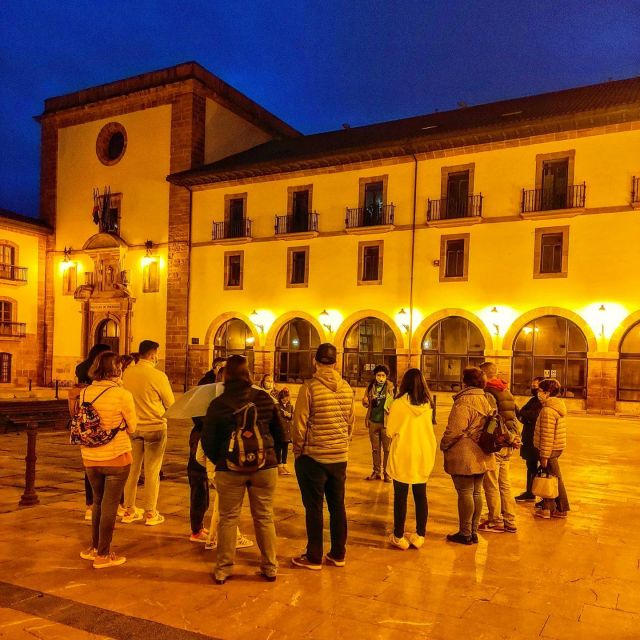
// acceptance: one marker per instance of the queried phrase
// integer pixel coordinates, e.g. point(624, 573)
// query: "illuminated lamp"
point(66, 261)
point(257, 320)
point(403, 319)
point(496, 323)
point(325, 321)
point(602, 310)
point(149, 257)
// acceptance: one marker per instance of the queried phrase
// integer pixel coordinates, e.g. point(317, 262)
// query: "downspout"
point(186, 348)
point(413, 250)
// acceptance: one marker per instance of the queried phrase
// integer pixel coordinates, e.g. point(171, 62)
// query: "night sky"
point(316, 65)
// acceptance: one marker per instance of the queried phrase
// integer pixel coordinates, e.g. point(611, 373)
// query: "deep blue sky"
point(315, 64)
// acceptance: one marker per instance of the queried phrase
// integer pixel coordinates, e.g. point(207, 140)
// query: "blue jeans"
point(150, 446)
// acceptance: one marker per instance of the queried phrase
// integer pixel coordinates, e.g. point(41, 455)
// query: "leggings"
point(282, 452)
point(400, 494)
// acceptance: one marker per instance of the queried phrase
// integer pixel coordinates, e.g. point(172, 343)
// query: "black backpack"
point(494, 435)
point(246, 451)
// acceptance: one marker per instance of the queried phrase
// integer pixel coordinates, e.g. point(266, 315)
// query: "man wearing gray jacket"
point(322, 426)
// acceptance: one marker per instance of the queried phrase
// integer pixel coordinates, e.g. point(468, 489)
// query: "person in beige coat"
point(464, 460)
point(550, 440)
point(412, 455)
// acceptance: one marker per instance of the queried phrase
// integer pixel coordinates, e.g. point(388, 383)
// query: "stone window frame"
point(458, 168)
point(361, 248)
point(16, 249)
point(290, 252)
point(102, 143)
point(444, 239)
point(292, 190)
point(541, 158)
point(228, 197)
point(537, 254)
point(227, 256)
point(363, 182)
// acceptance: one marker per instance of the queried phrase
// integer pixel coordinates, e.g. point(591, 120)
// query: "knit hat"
point(326, 353)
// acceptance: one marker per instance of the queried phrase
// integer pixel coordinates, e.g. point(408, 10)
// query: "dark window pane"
point(577, 341)
point(454, 259)
point(234, 271)
point(551, 253)
point(550, 336)
point(631, 340)
point(457, 194)
point(629, 382)
point(296, 346)
point(5, 367)
point(298, 267)
point(370, 258)
point(368, 343)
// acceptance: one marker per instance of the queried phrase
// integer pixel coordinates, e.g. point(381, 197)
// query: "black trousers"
point(317, 481)
point(282, 451)
point(400, 495)
point(199, 498)
point(532, 468)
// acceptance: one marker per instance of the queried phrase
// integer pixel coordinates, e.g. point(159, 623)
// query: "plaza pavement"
point(555, 579)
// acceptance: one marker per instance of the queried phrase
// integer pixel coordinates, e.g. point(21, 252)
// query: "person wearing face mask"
point(267, 384)
point(528, 416)
point(377, 400)
point(152, 396)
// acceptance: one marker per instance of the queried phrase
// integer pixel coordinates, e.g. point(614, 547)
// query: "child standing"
point(285, 408)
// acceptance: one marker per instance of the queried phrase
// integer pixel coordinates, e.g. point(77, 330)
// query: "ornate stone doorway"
point(108, 332)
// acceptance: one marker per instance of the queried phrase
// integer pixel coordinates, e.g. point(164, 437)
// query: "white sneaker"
point(242, 542)
point(400, 543)
point(416, 541)
point(211, 544)
point(154, 520)
point(138, 514)
point(88, 514)
point(121, 511)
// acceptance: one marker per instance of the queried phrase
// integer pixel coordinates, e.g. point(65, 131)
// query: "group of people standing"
point(320, 428)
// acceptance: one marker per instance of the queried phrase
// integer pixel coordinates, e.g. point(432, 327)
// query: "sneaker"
point(525, 497)
point(112, 560)
point(121, 511)
point(88, 514)
point(329, 559)
point(474, 538)
point(416, 541)
point(539, 504)
point(374, 476)
point(559, 514)
point(137, 514)
point(510, 528)
point(242, 542)
point(154, 520)
point(285, 470)
point(303, 561)
point(220, 580)
point(210, 544)
point(486, 526)
point(89, 554)
point(542, 513)
point(281, 471)
point(400, 543)
point(387, 478)
point(201, 536)
point(459, 538)
point(267, 576)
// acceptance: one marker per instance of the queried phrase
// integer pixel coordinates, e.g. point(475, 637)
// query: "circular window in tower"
point(111, 143)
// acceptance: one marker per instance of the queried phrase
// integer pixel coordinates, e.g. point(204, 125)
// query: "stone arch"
point(621, 331)
point(218, 321)
point(348, 322)
point(429, 321)
point(280, 321)
point(578, 320)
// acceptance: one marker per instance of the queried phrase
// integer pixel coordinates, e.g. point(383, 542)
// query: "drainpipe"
point(186, 348)
point(413, 249)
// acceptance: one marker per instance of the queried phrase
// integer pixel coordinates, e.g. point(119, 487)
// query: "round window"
point(111, 143)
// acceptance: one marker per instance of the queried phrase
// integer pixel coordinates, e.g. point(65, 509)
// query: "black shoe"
point(219, 581)
point(525, 497)
point(374, 476)
point(459, 538)
point(539, 505)
point(474, 538)
point(268, 578)
point(387, 478)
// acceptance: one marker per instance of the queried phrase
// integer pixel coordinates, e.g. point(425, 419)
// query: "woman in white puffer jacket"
point(412, 455)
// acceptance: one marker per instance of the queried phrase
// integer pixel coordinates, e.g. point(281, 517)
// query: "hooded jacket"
point(551, 427)
point(498, 391)
point(462, 453)
point(413, 445)
point(528, 415)
point(324, 417)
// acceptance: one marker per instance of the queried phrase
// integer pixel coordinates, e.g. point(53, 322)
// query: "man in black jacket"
point(528, 416)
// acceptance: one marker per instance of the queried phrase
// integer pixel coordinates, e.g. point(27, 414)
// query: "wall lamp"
point(496, 324)
point(67, 254)
point(325, 321)
point(602, 309)
point(403, 318)
point(255, 318)
point(148, 245)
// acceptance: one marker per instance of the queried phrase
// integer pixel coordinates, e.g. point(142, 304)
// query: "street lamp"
point(255, 318)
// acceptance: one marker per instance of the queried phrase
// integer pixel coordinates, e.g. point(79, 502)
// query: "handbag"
point(545, 485)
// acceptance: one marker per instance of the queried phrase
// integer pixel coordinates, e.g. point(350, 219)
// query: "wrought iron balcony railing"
point(549, 199)
point(296, 224)
point(370, 216)
point(234, 229)
point(11, 272)
point(452, 208)
point(635, 190)
point(13, 329)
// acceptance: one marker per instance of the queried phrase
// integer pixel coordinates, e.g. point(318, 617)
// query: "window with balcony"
point(454, 257)
point(235, 224)
point(551, 255)
point(8, 267)
point(300, 216)
point(9, 328)
point(373, 210)
point(297, 266)
point(233, 269)
point(457, 200)
point(370, 262)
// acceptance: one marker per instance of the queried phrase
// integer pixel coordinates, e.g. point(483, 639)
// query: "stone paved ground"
point(570, 579)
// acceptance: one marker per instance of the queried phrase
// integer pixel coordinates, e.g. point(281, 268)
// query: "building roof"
point(178, 73)
point(605, 103)
point(12, 216)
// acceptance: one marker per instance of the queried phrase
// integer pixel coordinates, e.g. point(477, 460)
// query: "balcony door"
point(373, 204)
point(300, 211)
point(235, 218)
point(555, 184)
point(457, 194)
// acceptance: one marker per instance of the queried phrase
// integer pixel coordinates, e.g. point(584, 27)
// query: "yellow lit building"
point(505, 231)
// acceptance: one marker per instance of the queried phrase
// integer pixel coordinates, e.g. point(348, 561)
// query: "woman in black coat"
point(528, 416)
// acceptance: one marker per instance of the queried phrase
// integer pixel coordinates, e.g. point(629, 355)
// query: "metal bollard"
point(435, 406)
point(30, 497)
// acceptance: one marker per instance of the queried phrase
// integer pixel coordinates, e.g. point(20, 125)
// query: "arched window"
point(552, 347)
point(629, 373)
point(108, 332)
point(234, 338)
point(5, 367)
point(296, 347)
point(369, 342)
point(448, 348)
